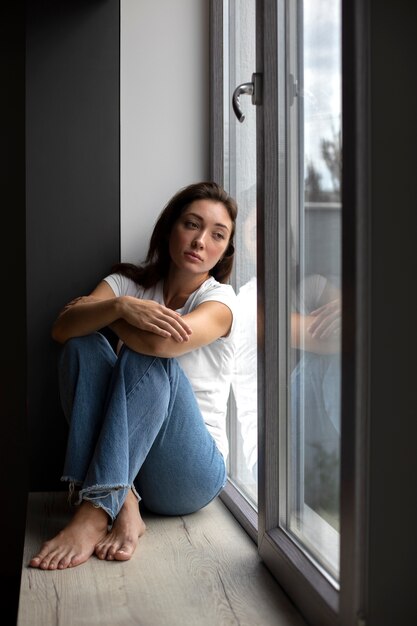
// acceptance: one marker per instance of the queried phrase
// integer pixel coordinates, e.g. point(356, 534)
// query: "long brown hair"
point(158, 260)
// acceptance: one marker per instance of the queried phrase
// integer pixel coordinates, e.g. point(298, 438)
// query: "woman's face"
point(200, 236)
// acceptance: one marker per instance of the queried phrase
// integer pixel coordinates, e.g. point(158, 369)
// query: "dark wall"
point(72, 191)
point(393, 259)
point(13, 455)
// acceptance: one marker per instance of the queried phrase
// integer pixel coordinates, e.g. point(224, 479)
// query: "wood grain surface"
point(200, 569)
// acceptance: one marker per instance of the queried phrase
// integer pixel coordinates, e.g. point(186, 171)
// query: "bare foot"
point(76, 542)
point(120, 543)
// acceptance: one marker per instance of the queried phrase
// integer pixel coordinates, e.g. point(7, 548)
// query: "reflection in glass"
point(244, 382)
point(314, 242)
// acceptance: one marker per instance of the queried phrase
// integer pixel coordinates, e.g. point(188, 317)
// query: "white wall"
point(164, 110)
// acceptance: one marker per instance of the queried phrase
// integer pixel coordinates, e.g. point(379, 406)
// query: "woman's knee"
point(88, 350)
point(80, 344)
point(127, 353)
point(137, 365)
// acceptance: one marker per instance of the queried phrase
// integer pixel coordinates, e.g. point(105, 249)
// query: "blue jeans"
point(134, 423)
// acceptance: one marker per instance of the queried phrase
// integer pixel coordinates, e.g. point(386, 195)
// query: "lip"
point(193, 255)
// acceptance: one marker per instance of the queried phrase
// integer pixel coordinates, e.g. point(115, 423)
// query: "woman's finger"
point(333, 305)
point(332, 330)
point(319, 326)
point(179, 321)
point(172, 327)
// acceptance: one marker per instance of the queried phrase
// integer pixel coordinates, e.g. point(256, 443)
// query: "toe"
point(64, 562)
point(101, 553)
point(76, 560)
point(124, 553)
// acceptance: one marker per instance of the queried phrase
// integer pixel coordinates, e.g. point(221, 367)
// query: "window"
point(284, 165)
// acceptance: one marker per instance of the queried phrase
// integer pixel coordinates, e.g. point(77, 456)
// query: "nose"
point(199, 239)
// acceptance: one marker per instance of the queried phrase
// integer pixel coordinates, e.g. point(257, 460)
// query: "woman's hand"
point(208, 321)
point(327, 323)
point(79, 300)
point(102, 308)
point(154, 318)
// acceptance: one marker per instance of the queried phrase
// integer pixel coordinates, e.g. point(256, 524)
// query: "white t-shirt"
point(209, 368)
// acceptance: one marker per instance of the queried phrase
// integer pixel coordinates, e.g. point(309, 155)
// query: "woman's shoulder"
point(211, 290)
point(122, 285)
point(212, 287)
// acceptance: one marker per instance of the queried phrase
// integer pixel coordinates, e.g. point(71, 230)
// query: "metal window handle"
point(251, 89)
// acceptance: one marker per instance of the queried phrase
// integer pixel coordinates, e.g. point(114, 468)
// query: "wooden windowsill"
point(199, 569)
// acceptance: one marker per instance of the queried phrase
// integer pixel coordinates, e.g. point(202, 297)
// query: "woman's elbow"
point(151, 345)
point(57, 334)
point(162, 347)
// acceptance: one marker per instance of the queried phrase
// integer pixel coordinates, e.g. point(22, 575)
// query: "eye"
point(218, 236)
point(190, 224)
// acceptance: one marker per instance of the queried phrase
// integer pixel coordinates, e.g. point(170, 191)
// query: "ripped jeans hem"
point(88, 493)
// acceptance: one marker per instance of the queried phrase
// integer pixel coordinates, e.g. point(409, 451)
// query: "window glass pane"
point(240, 181)
point(314, 279)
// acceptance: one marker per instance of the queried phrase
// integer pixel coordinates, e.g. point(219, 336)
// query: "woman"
point(148, 423)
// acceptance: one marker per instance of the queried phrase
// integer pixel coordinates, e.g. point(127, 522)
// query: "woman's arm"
point(207, 322)
point(303, 336)
point(86, 314)
point(319, 331)
point(102, 308)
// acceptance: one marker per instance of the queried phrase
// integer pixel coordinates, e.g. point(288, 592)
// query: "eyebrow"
point(202, 220)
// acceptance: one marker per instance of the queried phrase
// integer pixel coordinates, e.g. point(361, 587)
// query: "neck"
point(177, 287)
